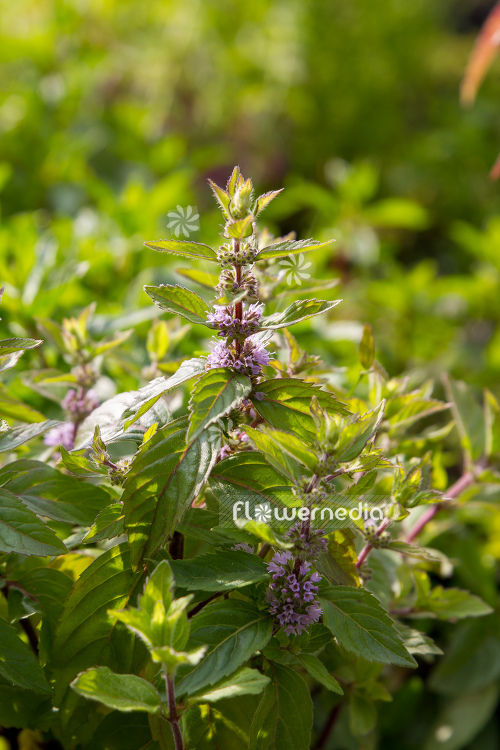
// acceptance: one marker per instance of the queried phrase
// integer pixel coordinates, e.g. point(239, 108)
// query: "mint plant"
point(254, 559)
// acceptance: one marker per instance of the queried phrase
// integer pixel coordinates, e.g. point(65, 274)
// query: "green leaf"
point(469, 418)
point(220, 572)
point(274, 444)
point(417, 642)
point(281, 249)
point(23, 532)
point(367, 347)
point(297, 312)
point(450, 604)
point(233, 630)
point(460, 720)
point(286, 405)
point(125, 692)
point(223, 198)
point(164, 478)
point(108, 524)
point(338, 563)
point(317, 669)
point(356, 432)
point(19, 435)
point(180, 301)
point(86, 633)
point(204, 279)
point(241, 228)
point(14, 408)
point(21, 708)
point(360, 624)
point(215, 395)
point(18, 664)
point(264, 200)
point(283, 720)
point(9, 346)
point(145, 398)
point(181, 247)
point(245, 681)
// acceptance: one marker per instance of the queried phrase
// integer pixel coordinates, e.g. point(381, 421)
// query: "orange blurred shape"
point(483, 54)
point(495, 170)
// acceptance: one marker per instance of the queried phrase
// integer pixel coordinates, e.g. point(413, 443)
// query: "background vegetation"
point(113, 113)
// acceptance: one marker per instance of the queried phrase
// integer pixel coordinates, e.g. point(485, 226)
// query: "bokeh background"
point(115, 112)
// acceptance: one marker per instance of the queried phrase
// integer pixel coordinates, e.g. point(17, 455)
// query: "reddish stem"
point(368, 547)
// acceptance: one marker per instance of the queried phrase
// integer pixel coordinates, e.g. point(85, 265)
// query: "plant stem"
point(327, 729)
point(460, 485)
point(238, 307)
point(172, 711)
point(368, 547)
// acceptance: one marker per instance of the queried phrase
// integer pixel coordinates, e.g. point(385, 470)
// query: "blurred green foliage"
point(114, 113)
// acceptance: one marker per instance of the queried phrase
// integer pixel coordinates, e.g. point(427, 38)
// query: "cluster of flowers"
point(77, 407)
point(292, 596)
point(307, 545)
point(239, 437)
point(249, 360)
point(230, 327)
point(229, 283)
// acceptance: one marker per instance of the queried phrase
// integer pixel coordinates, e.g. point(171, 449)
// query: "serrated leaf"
point(145, 398)
point(264, 200)
point(279, 446)
point(180, 301)
point(286, 405)
point(281, 249)
point(20, 435)
point(108, 524)
point(164, 478)
point(86, 633)
point(215, 395)
point(181, 247)
point(220, 572)
point(240, 228)
point(232, 630)
point(23, 532)
point(469, 418)
point(223, 198)
point(357, 432)
point(338, 563)
point(361, 625)
point(283, 720)
point(317, 669)
point(297, 312)
point(9, 346)
point(18, 664)
point(124, 692)
point(245, 681)
point(451, 604)
point(78, 464)
point(416, 642)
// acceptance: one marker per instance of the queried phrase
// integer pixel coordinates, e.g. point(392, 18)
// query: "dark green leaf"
point(223, 571)
point(18, 664)
point(180, 301)
point(181, 247)
point(360, 624)
point(164, 478)
point(125, 692)
point(23, 532)
point(215, 395)
point(283, 720)
point(317, 669)
point(281, 249)
point(462, 719)
point(297, 312)
point(232, 630)
point(19, 435)
point(108, 524)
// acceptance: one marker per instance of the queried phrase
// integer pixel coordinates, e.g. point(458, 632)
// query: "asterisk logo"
point(263, 513)
point(184, 220)
point(296, 269)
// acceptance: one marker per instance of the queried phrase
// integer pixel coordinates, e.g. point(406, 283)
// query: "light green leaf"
point(245, 681)
point(9, 346)
point(181, 247)
point(469, 418)
point(108, 524)
point(241, 228)
point(215, 395)
point(297, 312)
point(450, 604)
point(264, 200)
point(281, 249)
point(219, 572)
point(317, 669)
point(125, 692)
point(164, 478)
point(232, 630)
point(14, 408)
point(286, 405)
point(18, 664)
point(23, 532)
point(283, 720)
point(360, 624)
point(145, 398)
point(19, 435)
point(367, 347)
point(356, 432)
point(417, 642)
point(274, 442)
point(180, 301)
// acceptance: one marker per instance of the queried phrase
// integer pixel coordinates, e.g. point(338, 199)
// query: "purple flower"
point(79, 406)
point(292, 598)
point(63, 435)
point(244, 547)
point(229, 326)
